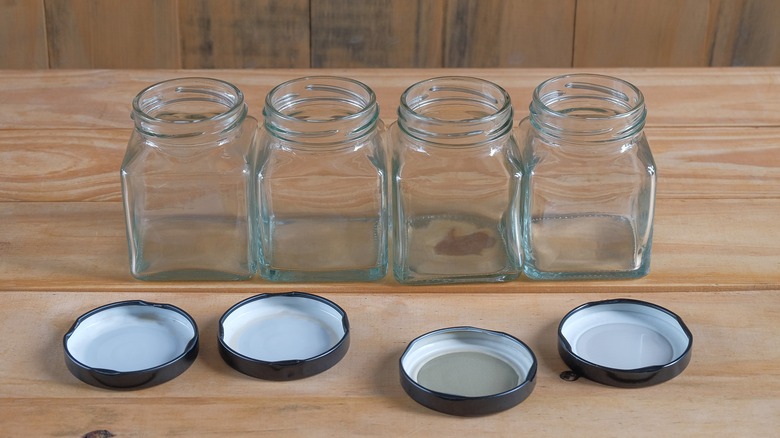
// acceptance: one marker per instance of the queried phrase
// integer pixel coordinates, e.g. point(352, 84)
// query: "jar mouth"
point(595, 108)
point(320, 109)
point(455, 110)
point(188, 107)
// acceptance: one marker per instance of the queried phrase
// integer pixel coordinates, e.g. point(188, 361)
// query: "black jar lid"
point(131, 345)
point(468, 371)
point(624, 342)
point(283, 336)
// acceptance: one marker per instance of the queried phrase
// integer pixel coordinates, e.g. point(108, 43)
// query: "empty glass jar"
point(187, 184)
point(322, 193)
point(589, 180)
point(456, 184)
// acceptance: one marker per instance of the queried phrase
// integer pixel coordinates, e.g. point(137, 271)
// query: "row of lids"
point(464, 371)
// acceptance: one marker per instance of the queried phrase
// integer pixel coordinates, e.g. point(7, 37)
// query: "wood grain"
point(244, 34)
point(662, 33)
point(732, 375)
point(395, 33)
point(102, 99)
point(746, 33)
point(23, 34)
point(500, 33)
point(716, 263)
point(698, 244)
point(110, 34)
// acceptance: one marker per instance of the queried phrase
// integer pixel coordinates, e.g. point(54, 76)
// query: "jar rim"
point(368, 102)
point(592, 81)
point(229, 90)
point(507, 102)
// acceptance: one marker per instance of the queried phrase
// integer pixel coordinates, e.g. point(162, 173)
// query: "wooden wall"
point(39, 34)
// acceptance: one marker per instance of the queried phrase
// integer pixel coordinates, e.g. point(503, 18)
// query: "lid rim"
point(288, 369)
point(469, 406)
point(132, 379)
point(625, 378)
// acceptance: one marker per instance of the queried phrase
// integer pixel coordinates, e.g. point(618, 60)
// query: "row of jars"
point(317, 190)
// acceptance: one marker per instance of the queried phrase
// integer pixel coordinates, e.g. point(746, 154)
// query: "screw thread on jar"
point(320, 110)
point(455, 111)
point(188, 107)
point(591, 108)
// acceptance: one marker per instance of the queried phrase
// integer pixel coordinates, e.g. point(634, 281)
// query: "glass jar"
point(187, 183)
point(456, 184)
point(589, 180)
point(321, 182)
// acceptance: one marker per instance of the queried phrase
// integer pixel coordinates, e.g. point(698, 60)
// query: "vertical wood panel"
point(112, 33)
point(22, 34)
point(244, 33)
point(747, 33)
point(509, 33)
point(626, 33)
point(392, 33)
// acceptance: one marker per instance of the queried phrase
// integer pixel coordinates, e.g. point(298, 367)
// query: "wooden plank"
point(83, 165)
point(395, 33)
point(73, 246)
point(244, 34)
point(661, 33)
point(56, 165)
point(509, 33)
point(714, 97)
point(22, 34)
point(732, 376)
point(746, 33)
point(112, 34)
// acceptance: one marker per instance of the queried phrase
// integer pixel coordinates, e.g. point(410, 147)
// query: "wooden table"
point(715, 135)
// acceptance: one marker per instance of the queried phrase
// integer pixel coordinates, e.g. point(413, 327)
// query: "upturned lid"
point(468, 371)
point(283, 336)
point(131, 345)
point(624, 342)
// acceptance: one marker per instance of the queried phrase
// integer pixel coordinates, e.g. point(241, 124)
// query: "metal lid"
point(283, 336)
point(131, 345)
point(468, 371)
point(623, 342)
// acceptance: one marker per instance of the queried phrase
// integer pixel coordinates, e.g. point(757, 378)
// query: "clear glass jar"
point(321, 182)
point(456, 184)
point(589, 180)
point(187, 182)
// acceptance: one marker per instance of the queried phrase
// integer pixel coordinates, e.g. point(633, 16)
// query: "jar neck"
point(320, 111)
point(455, 111)
point(187, 109)
point(588, 108)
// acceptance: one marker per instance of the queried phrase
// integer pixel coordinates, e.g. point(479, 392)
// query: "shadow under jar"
point(322, 193)
point(187, 184)
point(456, 184)
point(589, 180)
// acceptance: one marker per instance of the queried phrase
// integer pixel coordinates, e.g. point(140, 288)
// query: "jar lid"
point(468, 371)
point(624, 342)
point(131, 345)
point(283, 336)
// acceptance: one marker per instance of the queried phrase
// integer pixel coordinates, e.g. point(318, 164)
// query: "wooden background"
point(40, 34)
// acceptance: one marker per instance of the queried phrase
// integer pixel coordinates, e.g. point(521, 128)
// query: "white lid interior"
point(130, 338)
point(280, 328)
point(470, 380)
point(625, 335)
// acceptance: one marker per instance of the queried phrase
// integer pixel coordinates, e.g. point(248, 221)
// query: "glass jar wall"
point(322, 193)
point(186, 182)
point(589, 180)
point(456, 191)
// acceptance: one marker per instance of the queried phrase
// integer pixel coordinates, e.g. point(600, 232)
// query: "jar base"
point(535, 274)
point(192, 275)
point(412, 279)
point(281, 275)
